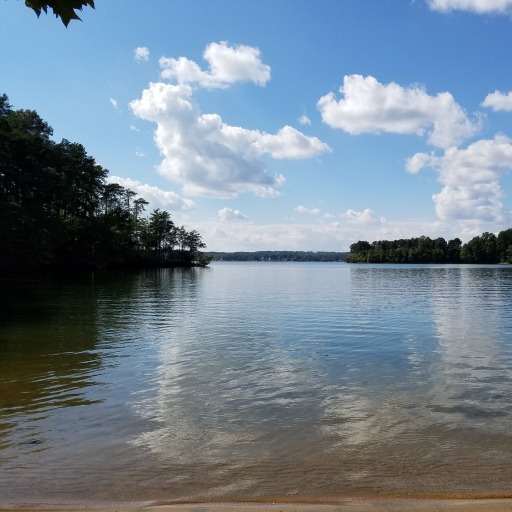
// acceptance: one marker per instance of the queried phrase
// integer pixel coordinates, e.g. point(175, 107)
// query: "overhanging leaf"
point(63, 9)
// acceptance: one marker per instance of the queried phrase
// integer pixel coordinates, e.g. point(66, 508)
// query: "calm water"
point(257, 380)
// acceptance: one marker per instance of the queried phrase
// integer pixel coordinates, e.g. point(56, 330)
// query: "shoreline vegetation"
point(283, 256)
point(58, 212)
point(484, 249)
point(487, 248)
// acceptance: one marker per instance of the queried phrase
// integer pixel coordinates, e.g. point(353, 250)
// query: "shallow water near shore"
point(257, 381)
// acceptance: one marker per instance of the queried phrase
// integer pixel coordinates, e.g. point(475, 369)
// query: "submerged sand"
point(346, 505)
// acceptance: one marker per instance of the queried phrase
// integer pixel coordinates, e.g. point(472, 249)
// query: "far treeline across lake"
point(59, 212)
point(487, 249)
point(320, 256)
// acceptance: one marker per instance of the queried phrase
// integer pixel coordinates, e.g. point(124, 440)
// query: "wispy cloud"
point(476, 6)
point(304, 120)
point(324, 235)
point(310, 211)
point(156, 197)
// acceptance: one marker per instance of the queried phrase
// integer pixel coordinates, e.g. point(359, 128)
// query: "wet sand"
point(345, 505)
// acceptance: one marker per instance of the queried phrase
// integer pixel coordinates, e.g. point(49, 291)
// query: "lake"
point(278, 381)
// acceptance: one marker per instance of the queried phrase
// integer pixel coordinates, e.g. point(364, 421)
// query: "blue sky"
point(286, 124)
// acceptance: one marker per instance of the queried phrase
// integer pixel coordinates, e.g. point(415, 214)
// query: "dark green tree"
point(57, 211)
point(26, 176)
point(481, 249)
point(454, 247)
point(359, 252)
point(440, 250)
point(194, 242)
point(505, 245)
point(160, 237)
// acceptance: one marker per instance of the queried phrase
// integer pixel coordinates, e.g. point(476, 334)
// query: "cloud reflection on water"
point(375, 368)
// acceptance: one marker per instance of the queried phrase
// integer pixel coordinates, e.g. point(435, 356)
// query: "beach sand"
point(345, 505)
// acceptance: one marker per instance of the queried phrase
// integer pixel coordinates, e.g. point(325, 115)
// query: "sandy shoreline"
point(343, 505)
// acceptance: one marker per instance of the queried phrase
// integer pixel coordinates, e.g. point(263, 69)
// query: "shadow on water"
point(73, 352)
point(52, 330)
point(48, 336)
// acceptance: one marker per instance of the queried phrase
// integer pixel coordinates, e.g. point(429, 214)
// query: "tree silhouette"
point(58, 212)
point(63, 9)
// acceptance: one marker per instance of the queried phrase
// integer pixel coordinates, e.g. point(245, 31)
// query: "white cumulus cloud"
point(311, 211)
point(471, 180)
point(417, 162)
point(476, 6)
point(288, 143)
point(209, 157)
point(367, 106)
point(113, 102)
point(141, 53)
point(227, 214)
point(156, 197)
point(366, 216)
point(227, 65)
point(498, 101)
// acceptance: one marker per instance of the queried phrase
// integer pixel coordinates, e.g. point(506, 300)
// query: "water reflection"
point(349, 370)
point(449, 409)
point(472, 314)
point(257, 380)
point(227, 382)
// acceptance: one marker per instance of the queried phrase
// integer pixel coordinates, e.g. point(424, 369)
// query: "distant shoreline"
point(300, 256)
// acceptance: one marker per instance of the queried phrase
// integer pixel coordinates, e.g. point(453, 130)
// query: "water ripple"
point(261, 380)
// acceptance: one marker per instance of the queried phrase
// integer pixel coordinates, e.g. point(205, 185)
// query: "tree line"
point(486, 248)
point(58, 211)
point(278, 256)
